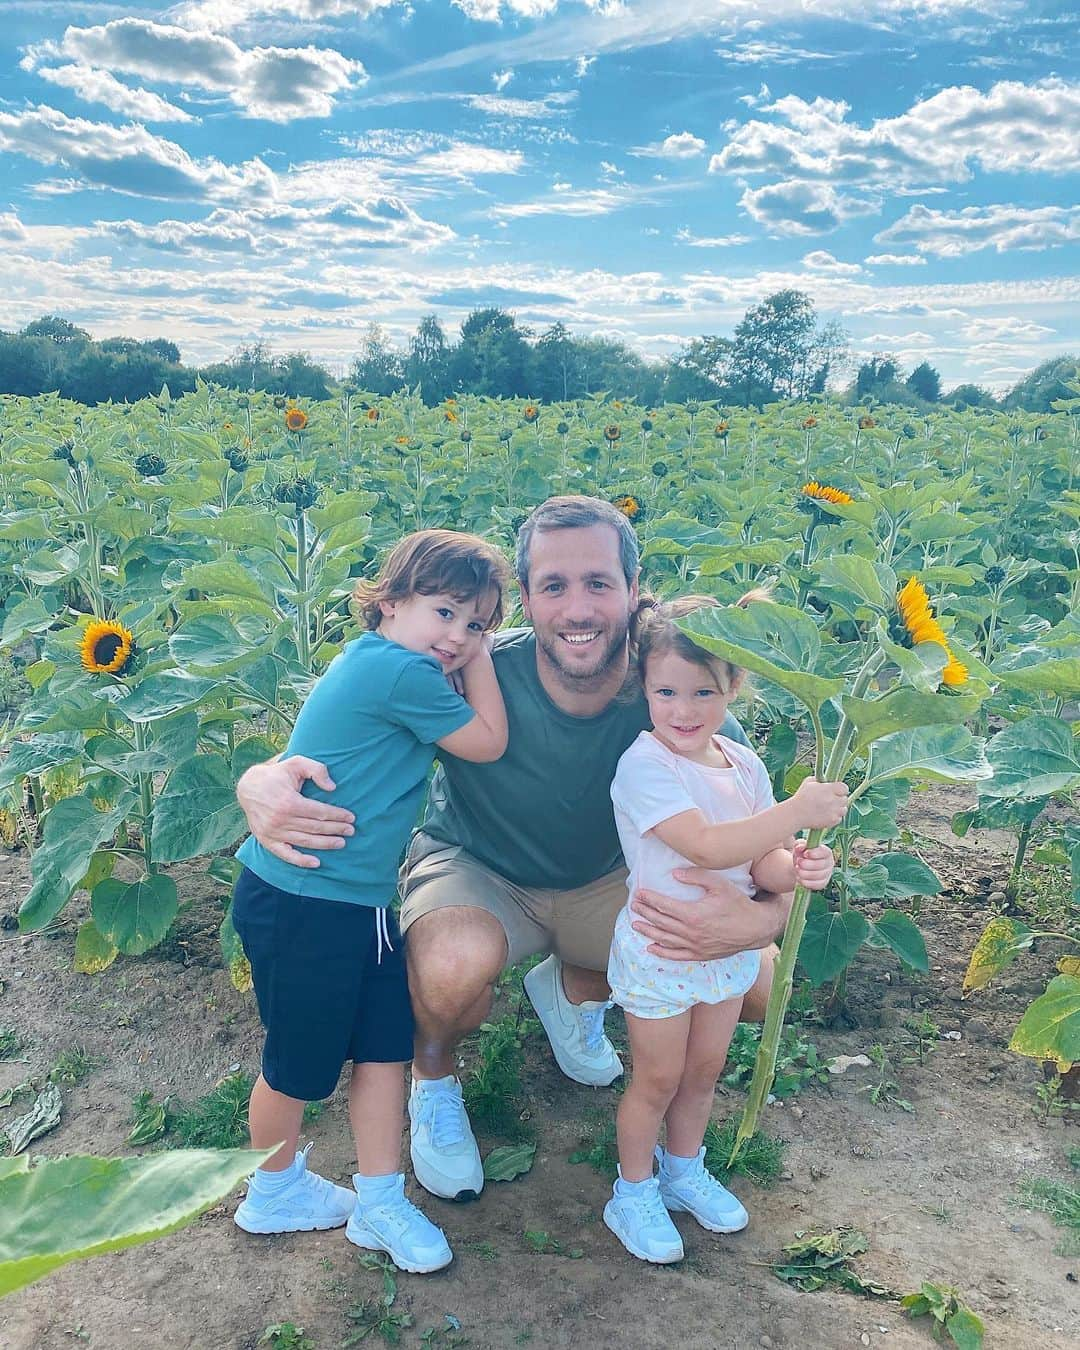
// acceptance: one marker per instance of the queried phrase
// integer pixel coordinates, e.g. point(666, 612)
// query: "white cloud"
point(466, 160)
point(526, 109)
point(275, 83)
point(12, 228)
point(895, 260)
point(952, 234)
point(98, 86)
point(501, 78)
point(490, 11)
point(681, 145)
point(219, 15)
point(794, 207)
point(585, 202)
point(582, 66)
point(820, 260)
point(712, 241)
point(126, 159)
point(759, 99)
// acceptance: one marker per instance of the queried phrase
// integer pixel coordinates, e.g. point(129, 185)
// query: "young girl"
point(685, 796)
point(326, 955)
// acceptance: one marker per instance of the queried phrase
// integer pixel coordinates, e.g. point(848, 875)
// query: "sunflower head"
point(562, 428)
point(373, 414)
point(955, 673)
point(298, 492)
point(918, 624)
point(63, 451)
point(612, 432)
point(693, 408)
point(506, 435)
point(866, 423)
point(646, 424)
point(106, 647)
point(449, 415)
point(809, 423)
point(660, 469)
point(531, 413)
point(150, 465)
point(995, 575)
point(279, 402)
point(819, 492)
point(631, 507)
point(721, 430)
point(466, 436)
point(236, 459)
point(295, 419)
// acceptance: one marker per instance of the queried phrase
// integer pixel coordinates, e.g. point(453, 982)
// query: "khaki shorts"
point(577, 925)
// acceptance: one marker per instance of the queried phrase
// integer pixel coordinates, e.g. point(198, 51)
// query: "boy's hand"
point(821, 806)
point(813, 866)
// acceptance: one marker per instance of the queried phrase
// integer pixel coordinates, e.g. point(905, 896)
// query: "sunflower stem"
point(303, 631)
point(146, 798)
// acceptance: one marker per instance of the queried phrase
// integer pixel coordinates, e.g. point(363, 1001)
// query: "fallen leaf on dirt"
point(509, 1161)
point(42, 1117)
point(841, 1063)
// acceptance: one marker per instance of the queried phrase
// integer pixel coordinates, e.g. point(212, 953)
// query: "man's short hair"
point(576, 513)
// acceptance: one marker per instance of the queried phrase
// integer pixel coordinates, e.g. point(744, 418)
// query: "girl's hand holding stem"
point(813, 866)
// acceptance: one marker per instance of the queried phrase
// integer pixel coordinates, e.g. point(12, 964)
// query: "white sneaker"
point(575, 1030)
point(394, 1225)
point(445, 1158)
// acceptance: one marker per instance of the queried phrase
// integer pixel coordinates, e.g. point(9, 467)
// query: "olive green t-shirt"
point(541, 816)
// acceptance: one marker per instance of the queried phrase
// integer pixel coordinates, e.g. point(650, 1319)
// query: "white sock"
point(268, 1182)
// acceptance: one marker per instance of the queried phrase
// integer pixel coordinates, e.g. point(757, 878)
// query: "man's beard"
point(576, 677)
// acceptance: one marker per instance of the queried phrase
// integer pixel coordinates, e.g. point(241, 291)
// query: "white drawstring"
point(382, 935)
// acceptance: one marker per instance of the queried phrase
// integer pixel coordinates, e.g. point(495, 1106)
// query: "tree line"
point(778, 350)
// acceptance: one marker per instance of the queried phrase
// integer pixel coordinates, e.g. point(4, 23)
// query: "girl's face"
point(450, 630)
point(686, 705)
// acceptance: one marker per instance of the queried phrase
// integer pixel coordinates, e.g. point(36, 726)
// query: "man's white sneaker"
point(391, 1223)
point(575, 1030)
point(445, 1158)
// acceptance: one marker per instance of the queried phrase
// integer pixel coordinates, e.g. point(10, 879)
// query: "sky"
point(224, 171)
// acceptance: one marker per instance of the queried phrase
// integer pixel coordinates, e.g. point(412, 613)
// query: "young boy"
point(326, 955)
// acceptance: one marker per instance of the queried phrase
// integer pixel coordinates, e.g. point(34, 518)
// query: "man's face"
point(578, 600)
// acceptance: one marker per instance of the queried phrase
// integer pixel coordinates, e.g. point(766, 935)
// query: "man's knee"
point(454, 955)
point(756, 999)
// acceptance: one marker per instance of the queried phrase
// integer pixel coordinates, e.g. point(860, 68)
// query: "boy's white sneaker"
point(636, 1215)
point(303, 1203)
point(698, 1193)
point(392, 1224)
point(445, 1158)
point(575, 1030)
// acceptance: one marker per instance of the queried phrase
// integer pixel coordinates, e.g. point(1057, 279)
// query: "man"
point(521, 856)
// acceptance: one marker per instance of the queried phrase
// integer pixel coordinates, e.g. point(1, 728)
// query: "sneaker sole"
point(674, 1207)
point(461, 1197)
point(265, 1230)
point(547, 1012)
point(636, 1251)
point(370, 1242)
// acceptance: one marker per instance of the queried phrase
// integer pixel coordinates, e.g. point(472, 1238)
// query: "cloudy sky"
point(221, 170)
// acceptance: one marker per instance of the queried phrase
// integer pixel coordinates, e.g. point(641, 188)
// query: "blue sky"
point(217, 171)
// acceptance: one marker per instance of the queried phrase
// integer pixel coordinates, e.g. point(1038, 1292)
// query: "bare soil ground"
point(931, 1190)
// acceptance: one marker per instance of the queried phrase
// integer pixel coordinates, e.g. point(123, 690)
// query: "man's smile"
point(580, 639)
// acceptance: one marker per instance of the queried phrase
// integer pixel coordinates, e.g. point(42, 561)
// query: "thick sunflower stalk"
point(897, 727)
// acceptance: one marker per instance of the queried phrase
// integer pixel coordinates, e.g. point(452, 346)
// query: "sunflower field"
point(175, 575)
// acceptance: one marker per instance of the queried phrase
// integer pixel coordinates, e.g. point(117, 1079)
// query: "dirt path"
point(931, 1190)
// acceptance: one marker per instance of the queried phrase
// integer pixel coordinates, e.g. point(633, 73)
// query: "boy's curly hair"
point(435, 562)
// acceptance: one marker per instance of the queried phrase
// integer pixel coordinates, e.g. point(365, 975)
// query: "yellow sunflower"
point(630, 507)
point(913, 604)
point(612, 433)
point(820, 492)
point(809, 423)
point(373, 414)
point(295, 420)
point(106, 647)
point(867, 423)
point(531, 413)
point(449, 415)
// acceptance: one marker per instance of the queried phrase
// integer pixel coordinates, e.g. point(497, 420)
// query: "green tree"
point(379, 369)
point(701, 369)
point(493, 356)
point(1049, 381)
point(428, 362)
point(925, 382)
point(777, 351)
point(971, 396)
point(555, 365)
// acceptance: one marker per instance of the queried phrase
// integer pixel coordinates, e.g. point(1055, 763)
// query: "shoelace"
point(654, 1208)
point(382, 936)
point(446, 1112)
point(592, 1026)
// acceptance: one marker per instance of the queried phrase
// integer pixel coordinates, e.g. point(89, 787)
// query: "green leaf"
point(93, 952)
point(718, 560)
point(233, 955)
point(965, 1329)
point(903, 709)
point(1050, 1029)
point(779, 753)
point(1001, 942)
point(28, 616)
point(342, 507)
point(66, 1208)
point(919, 666)
point(1059, 676)
point(197, 811)
point(252, 750)
point(50, 564)
point(162, 694)
point(210, 645)
point(238, 525)
point(829, 942)
point(73, 830)
point(944, 754)
point(37, 755)
point(855, 578)
point(1033, 758)
point(767, 639)
point(136, 916)
point(225, 576)
point(898, 932)
point(907, 876)
point(509, 1161)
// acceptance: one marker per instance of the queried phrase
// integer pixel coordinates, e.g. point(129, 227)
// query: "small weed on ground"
point(218, 1120)
point(376, 1316)
point(543, 1244)
point(10, 1043)
point(72, 1066)
point(286, 1336)
point(1062, 1202)
point(951, 1315)
point(797, 1066)
point(886, 1091)
point(492, 1090)
point(922, 1034)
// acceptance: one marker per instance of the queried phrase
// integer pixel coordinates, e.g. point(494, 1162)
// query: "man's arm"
point(282, 819)
point(723, 922)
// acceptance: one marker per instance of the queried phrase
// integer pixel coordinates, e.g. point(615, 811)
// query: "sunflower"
point(920, 625)
point(401, 440)
point(612, 433)
point(721, 429)
point(150, 465)
point(646, 424)
point(531, 413)
point(820, 493)
point(466, 436)
point(373, 414)
point(867, 423)
point(809, 423)
point(562, 428)
point(279, 402)
point(295, 419)
point(660, 469)
point(299, 492)
point(106, 647)
point(449, 415)
point(631, 507)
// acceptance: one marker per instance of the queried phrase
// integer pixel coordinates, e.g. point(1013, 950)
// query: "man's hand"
point(723, 922)
point(813, 866)
point(282, 819)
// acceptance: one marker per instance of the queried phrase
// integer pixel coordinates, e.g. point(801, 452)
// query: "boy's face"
point(441, 626)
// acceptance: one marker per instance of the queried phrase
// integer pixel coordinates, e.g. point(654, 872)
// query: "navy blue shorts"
point(324, 998)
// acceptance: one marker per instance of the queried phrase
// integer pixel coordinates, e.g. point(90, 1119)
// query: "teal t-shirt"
point(372, 720)
point(542, 814)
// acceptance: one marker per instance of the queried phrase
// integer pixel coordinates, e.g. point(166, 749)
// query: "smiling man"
point(521, 856)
